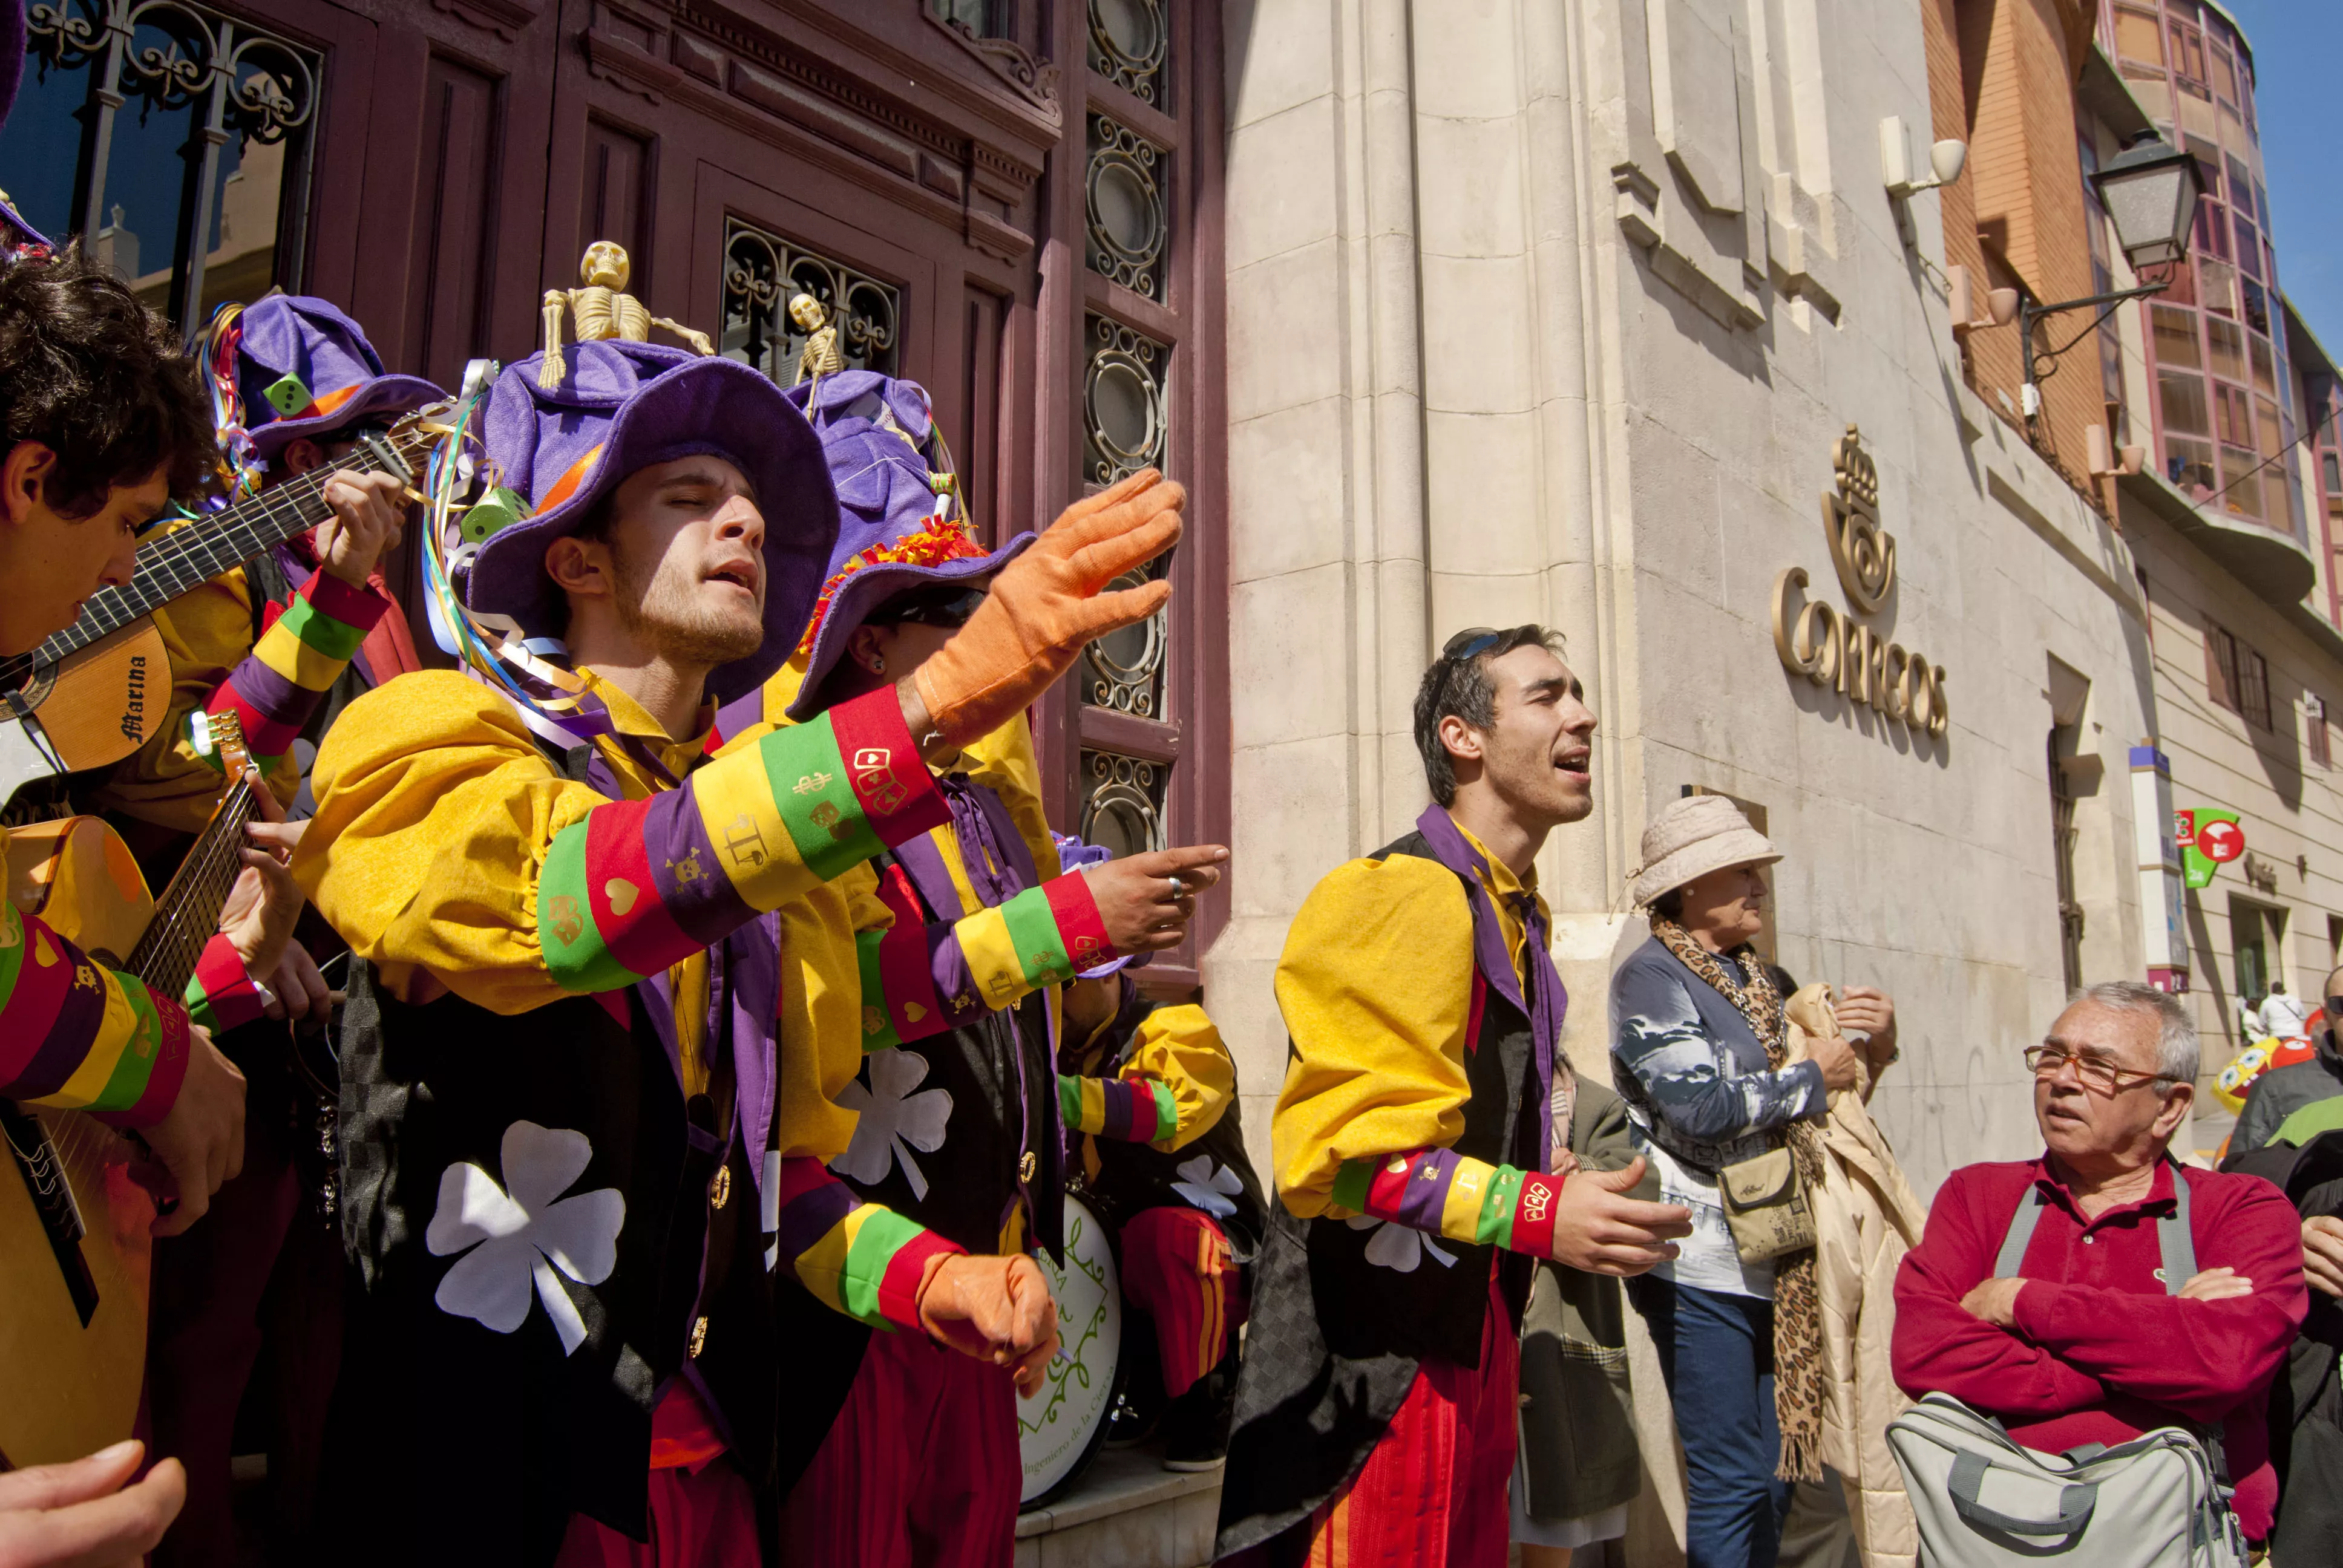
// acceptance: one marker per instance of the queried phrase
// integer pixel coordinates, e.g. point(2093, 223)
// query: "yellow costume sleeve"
point(445, 840)
point(1181, 1048)
point(1374, 985)
point(435, 811)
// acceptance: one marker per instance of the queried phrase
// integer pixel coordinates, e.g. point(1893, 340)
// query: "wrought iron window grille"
point(1129, 40)
point(236, 81)
point(1129, 222)
point(1124, 425)
point(763, 272)
point(1122, 802)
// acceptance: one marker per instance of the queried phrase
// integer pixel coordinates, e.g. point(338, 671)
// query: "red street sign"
point(2220, 842)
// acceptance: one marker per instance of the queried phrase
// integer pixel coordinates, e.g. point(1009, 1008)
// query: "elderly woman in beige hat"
point(1700, 1053)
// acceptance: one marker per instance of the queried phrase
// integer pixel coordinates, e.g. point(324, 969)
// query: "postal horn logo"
point(1829, 647)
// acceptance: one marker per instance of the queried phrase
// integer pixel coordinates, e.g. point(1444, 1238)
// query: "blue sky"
point(2298, 53)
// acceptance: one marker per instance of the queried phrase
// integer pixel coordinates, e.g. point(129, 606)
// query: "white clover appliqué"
point(520, 1232)
point(1399, 1247)
point(1206, 1186)
point(890, 1120)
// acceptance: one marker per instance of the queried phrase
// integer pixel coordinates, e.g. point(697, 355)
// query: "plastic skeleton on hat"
point(602, 310)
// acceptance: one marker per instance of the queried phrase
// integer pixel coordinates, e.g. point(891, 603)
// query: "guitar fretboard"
point(184, 559)
point(187, 914)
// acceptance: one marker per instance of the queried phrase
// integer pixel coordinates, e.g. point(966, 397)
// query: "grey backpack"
point(1982, 1500)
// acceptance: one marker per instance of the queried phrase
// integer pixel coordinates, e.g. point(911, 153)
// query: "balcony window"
point(2250, 249)
point(2188, 59)
point(2139, 36)
point(2234, 414)
point(2227, 342)
point(2241, 490)
point(2188, 464)
point(2175, 338)
point(2183, 396)
point(2225, 74)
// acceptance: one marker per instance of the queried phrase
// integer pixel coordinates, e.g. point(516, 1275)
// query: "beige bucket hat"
point(1692, 836)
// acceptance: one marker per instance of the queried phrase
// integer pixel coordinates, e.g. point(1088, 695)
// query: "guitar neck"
point(184, 559)
point(187, 914)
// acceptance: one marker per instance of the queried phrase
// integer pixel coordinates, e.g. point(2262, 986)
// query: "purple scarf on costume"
point(1549, 1001)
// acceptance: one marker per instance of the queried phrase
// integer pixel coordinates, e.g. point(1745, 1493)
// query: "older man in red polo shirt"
point(2084, 1345)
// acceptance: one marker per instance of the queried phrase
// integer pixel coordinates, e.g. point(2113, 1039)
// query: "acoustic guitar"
point(93, 694)
point(74, 1239)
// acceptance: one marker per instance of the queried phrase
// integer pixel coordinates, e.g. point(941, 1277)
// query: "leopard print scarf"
point(1797, 1299)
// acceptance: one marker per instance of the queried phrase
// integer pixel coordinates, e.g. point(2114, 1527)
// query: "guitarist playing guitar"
point(294, 382)
point(102, 424)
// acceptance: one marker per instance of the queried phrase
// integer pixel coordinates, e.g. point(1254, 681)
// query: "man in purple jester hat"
point(565, 1184)
point(274, 643)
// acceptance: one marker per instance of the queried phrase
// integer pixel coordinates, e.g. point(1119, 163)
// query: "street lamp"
point(2150, 191)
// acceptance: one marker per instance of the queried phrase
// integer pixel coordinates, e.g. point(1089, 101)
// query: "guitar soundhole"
point(53, 1200)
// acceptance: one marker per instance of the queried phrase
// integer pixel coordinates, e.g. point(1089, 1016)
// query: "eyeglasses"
point(2334, 1008)
point(949, 613)
point(2099, 1076)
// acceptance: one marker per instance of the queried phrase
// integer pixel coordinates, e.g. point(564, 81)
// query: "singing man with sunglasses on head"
point(1376, 1409)
point(2089, 1340)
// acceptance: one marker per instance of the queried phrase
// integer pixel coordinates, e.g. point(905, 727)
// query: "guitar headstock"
point(404, 451)
point(220, 735)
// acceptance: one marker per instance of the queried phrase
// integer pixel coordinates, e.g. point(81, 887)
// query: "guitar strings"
point(186, 557)
point(210, 868)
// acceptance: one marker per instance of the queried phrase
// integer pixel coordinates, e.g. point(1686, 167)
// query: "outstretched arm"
point(697, 339)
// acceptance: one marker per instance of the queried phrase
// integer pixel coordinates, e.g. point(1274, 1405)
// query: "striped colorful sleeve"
point(75, 1036)
point(860, 1258)
point(1131, 1110)
point(220, 996)
point(920, 979)
point(1449, 1195)
point(303, 651)
point(638, 885)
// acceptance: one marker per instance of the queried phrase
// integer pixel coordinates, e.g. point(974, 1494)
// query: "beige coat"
point(1866, 1218)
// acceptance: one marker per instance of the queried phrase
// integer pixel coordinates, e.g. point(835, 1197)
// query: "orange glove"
point(994, 1308)
point(1046, 603)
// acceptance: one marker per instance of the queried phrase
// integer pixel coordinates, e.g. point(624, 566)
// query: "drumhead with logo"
point(1060, 1427)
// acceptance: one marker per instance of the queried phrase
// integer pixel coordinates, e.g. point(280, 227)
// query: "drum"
point(1060, 1428)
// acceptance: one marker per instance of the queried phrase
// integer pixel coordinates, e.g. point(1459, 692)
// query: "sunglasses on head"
point(1472, 642)
point(948, 611)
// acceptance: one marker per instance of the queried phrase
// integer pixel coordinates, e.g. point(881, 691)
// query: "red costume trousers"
point(1177, 1269)
point(921, 1469)
point(703, 1513)
point(1432, 1492)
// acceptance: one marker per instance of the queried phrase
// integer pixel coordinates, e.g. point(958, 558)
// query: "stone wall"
point(1556, 312)
point(1494, 358)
